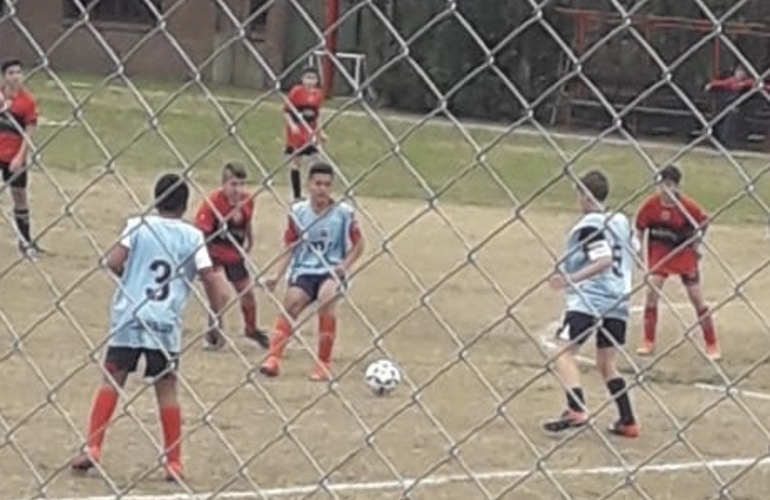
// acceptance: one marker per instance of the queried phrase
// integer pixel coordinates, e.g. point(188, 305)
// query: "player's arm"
point(356, 238)
point(30, 125)
point(289, 110)
point(117, 257)
point(291, 238)
point(598, 251)
point(248, 242)
point(701, 222)
point(214, 284)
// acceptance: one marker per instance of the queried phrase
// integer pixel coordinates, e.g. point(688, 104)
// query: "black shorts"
point(308, 150)
point(15, 180)
point(577, 327)
point(233, 272)
point(311, 283)
point(158, 363)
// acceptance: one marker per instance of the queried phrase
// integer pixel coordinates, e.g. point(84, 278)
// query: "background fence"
point(465, 222)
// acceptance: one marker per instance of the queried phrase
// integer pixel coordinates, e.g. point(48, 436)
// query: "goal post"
point(462, 183)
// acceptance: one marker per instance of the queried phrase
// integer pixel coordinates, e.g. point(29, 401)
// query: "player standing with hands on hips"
point(596, 276)
point(674, 226)
point(18, 119)
point(302, 114)
point(157, 258)
point(323, 242)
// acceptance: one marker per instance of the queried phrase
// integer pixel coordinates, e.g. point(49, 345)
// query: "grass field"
point(464, 330)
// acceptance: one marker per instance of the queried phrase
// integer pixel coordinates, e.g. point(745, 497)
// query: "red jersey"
point(225, 225)
point(304, 110)
point(671, 230)
point(16, 114)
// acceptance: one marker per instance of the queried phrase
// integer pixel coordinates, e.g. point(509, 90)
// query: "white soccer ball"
point(382, 376)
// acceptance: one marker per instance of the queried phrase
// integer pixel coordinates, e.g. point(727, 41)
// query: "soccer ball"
point(382, 376)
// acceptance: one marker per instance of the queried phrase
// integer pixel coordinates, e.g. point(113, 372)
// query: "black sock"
point(617, 388)
point(576, 400)
point(296, 183)
point(21, 216)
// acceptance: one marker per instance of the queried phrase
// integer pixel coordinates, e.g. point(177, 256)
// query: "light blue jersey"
point(164, 257)
point(323, 240)
point(596, 235)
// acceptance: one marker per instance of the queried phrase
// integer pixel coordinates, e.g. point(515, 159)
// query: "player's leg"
point(577, 327)
point(214, 340)
point(328, 293)
point(295, 171)
point(691, 284)
point(239, 276)
point(300, 293)
point(21, 216)
point(654, 286)
point(162, 367)
point(611, 337)
point(118, 363)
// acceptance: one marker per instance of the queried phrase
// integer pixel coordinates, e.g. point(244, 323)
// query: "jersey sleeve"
point(699, 216)
point(201, 258)
point(594, 242)
point(205, 220)
point(127, 235)
point(642, 221)
point(292, 100)
point(354, 230)
point(30, 113)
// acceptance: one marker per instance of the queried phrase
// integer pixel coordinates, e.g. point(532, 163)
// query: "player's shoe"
point(86, 460)
point(646, 349)
point(213, 341)
point(259, 336)
point(712, 351)
point(570, 419)
point(30, 250)
point(624, 430)
point(271, 367)
point(174, 472)
point(321, 373)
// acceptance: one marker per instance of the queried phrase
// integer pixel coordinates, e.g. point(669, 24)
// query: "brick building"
point(199, 28)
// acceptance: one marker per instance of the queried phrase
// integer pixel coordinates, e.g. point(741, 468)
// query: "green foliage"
point(481, 54)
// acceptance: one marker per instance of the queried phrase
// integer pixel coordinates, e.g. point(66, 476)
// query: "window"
point(122, 11)
point(257, 20)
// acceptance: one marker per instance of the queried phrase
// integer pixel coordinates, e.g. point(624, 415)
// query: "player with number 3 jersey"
point(157, 258)
point(596, 276)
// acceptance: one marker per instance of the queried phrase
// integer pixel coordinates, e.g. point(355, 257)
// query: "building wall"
point(144, 50)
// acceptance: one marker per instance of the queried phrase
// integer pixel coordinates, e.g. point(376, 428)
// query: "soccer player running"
point(18, 119)
point(674, 226)
point(596, 276)
point(225, 218)
point(301, 114)
point(157, 258)
point(323, 241)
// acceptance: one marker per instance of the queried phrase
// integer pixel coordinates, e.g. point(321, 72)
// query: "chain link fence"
point(465, 223)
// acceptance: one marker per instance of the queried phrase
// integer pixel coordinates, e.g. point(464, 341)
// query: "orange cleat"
point(86, 460)
point(646, 349)
point(271, 367)
point(174, 472)
point(625, 430)
point(712, 351)
point(321, 373)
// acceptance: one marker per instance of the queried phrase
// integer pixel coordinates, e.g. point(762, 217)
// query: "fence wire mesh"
point(464, 221)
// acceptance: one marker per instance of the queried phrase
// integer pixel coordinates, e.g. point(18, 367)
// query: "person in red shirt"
point(225, 218)
point(302, 113)
point(18, 119)
point(673, 225)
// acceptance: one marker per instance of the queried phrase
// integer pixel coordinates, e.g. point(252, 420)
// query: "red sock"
point(650, 323)
point(327, 332)
point(171, 421)
point(707, 325)
point(101, 412)
point(281, 336)
point(249, 310)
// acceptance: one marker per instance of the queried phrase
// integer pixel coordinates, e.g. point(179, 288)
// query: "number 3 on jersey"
point(617, 260)
point(161, 290)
